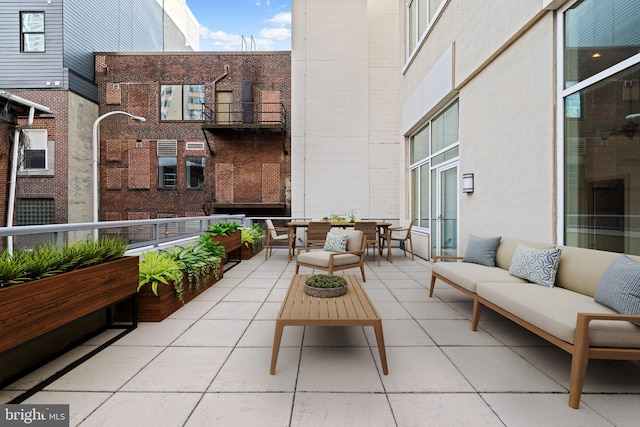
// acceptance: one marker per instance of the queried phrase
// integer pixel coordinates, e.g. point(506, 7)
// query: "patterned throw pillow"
point(535, 265)
point(619, 286)
point(481, 250)
point(336, 242)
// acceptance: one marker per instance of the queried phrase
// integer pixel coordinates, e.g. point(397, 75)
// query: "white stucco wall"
point(499, 59)
point(345, 127)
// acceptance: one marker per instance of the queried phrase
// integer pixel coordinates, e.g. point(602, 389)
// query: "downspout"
point(14, 175)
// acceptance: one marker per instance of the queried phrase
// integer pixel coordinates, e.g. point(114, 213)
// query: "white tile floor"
point(208, 365)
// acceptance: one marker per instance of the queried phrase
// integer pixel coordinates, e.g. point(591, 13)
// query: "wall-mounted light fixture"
point(467, 183)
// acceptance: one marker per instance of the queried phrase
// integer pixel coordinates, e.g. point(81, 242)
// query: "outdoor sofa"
point(567, 304)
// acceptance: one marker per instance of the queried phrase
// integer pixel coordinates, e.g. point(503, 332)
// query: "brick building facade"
point(198, 151)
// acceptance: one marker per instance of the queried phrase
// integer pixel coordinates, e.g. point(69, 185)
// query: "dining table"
point(384, 232)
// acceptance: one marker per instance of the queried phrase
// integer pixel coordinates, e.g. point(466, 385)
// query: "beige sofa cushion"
point(468, 275)
point(555, 310)
point(321, 258)
point(580, 269)
point(508, 247)
point(354, 241)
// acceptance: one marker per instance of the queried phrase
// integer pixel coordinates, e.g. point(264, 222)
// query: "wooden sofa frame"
point(581, 352)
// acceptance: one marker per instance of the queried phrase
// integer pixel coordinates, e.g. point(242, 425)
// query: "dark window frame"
point(24, 32)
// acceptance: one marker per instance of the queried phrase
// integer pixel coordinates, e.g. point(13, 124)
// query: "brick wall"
point(242, 168)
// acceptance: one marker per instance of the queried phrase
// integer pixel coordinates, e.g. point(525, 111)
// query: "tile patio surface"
point(208, 365)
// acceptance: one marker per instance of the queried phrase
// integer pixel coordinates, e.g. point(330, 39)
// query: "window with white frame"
point(34, 150)
point(600, 92)
point(420, 16)
point(181, 102)
point(437, 142)
point(32, 31)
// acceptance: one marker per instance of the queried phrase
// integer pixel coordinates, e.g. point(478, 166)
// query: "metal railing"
point(139, 234)
point(245, 113)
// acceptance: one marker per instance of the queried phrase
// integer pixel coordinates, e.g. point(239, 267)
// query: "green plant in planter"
point(325, 281)
point(223, 228)
point(46, 260)
point(253, 236)
point(160, 267)
point(197, 263)
point(214, 248)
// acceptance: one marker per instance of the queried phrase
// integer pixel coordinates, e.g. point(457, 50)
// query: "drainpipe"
point(14, 173)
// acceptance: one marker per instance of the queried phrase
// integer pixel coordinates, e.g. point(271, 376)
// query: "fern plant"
point(223, 228)
point(160, 267)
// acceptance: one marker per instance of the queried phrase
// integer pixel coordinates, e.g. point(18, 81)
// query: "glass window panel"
point(33, 43)
point(195, 172)
point(602, 178)
point(423, 219)
point(34, 159)
point(171, 102)
point(415, 198)
point(419, 145)
point(599, 34)
point(32, 22)
point(433, 7)
point(445, 129)
point(413, 11)
point(423, 17)
point(167, 172)
point(193, 101)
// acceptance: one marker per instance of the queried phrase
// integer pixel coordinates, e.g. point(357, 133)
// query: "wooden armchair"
point(402, 234)
point(274, 234)
point(370, 230)
point(319, 259)
point(316, 232)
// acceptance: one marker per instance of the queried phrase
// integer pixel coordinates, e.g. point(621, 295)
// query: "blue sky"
point(223, 23)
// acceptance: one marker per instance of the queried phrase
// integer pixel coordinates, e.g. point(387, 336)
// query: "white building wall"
point(502, 68)
point(345, 127)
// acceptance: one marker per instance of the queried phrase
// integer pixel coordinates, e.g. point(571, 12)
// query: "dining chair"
point(274, 234)
point(316, 232)
point(329, 261)
point(370, 231)
point(402, 234)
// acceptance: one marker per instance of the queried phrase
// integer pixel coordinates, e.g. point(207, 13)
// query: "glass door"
point(444, 202)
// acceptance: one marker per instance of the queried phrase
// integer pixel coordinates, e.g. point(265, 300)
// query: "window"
point(32, 31)
point(433, 145)
point(421, 14)
point(35, 211)
point(195, 172)
point(601, 125)
point(181, 102)
point(34, 150)
point(167, 172)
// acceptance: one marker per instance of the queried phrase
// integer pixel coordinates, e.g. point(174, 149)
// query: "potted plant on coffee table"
point(325, 286)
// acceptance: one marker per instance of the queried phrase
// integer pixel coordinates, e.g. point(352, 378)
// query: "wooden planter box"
point(152, 308)
point(249, 252)
point(32, 309)
point(231, 243)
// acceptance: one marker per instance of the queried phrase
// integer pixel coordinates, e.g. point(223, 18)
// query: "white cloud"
point(281, 19)
point(276, 33)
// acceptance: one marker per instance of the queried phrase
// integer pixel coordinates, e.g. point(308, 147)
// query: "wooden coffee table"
point(352, 309)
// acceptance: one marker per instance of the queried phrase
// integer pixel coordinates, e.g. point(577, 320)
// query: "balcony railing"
point(245, 115)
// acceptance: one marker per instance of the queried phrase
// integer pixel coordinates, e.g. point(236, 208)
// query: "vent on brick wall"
point(115, 86)
point(138, 144)
point(195, 146)
point(167, 148)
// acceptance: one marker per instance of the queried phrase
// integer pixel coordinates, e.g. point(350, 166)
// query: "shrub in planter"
point(47, 260)
point(253, 239)
point(227, 233)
